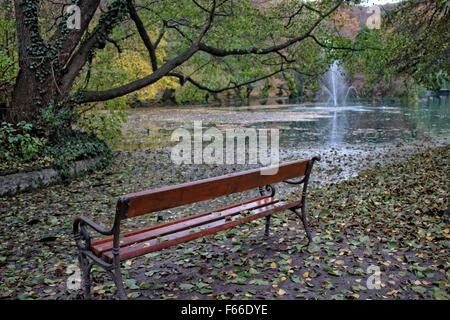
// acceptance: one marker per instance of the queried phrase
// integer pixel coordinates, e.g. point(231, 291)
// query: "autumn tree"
point(52, 56)
point(418, 39)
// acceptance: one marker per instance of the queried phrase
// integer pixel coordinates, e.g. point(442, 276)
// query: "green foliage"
point(106, 125)
point(371, 62)
point(49, 141)
point(420, 32)
point(120, 103)
point(408, 53)
point(189, 94)
point(243, 25)
point(265, 89)
point(67, 145)
point(54, 121)
point(8, 54)
point(110, 68)
point(292, 85)
point(77, 146)
point(17, 142)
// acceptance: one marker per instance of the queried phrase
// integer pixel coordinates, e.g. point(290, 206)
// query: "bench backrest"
point(140, 203)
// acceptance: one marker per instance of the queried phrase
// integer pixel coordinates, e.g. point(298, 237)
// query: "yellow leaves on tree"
point(112, 69)
point(134, 67)
point(346, 24)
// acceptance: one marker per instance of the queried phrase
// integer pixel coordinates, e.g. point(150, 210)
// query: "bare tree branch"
point(160, 36)
point(184, 79)
point(323, 45)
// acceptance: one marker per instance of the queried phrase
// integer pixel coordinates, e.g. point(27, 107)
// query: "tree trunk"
point(34, 87)
point(30, 96)
point(47, 70)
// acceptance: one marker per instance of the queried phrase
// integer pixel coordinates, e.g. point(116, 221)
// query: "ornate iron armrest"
point(299, 181)
point(81, 233)
point(308, 172)
point(267, 190)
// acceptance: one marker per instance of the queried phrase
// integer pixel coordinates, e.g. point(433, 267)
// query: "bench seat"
point(114, 247)
point(164, 235)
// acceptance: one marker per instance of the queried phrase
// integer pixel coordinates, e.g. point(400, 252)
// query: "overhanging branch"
point(183, 79)
point(218, 52)
point(167, 68)
point(161, 72)
point(95, 40)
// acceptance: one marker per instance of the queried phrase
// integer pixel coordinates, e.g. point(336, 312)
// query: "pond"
point(354, 135)
point(300, 125)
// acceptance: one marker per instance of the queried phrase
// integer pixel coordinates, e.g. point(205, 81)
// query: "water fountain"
point(334, 87)
point(335, 92)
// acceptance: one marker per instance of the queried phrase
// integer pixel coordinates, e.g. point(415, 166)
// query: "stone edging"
point(25, 181)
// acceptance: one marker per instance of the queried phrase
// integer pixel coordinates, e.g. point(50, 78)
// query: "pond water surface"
point(350, 138)
point(301, 125)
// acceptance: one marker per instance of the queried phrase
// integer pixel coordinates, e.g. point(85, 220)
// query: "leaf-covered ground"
point(392, 217)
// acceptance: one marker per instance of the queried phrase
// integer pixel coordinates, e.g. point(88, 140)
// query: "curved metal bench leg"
point(302, 216)
point(117, 278)
point(305, 225)
point(267, 190)
point(266, 231)
point(302, 206)
point(86, 267)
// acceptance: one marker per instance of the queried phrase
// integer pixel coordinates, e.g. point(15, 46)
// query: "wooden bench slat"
point(168, 223)
point(207, 229)
point(149, 201)
point(182, 224)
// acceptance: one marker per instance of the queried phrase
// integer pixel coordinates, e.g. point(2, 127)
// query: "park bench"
point(110, 251)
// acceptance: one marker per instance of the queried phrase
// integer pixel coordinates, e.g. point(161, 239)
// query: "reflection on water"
point(300, 125)
point(360, 124)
